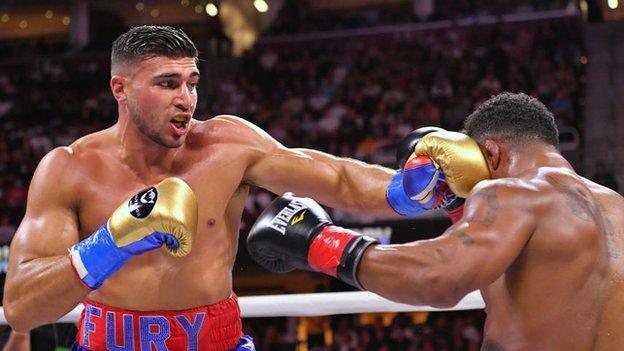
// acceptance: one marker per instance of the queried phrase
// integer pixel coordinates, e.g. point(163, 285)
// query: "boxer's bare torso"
point(544, 246)
point(77, 188)
point(564, 290)
point(213, 161)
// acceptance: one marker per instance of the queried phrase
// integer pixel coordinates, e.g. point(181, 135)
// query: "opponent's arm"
point(295, 233)
point(470, 255)
point(39, 271)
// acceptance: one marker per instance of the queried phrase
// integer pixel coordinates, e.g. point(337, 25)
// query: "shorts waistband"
point(215, 327)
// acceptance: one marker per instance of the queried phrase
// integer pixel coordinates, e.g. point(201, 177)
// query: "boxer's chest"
point(215, 180)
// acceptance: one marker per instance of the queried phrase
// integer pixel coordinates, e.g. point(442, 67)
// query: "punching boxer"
point(542, 243)
point(150, 209)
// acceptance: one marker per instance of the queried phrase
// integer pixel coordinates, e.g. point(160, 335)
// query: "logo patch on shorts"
point(142, 204)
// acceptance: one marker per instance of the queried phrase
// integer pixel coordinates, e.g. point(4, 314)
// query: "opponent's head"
point(154, 77)
point(509, 122)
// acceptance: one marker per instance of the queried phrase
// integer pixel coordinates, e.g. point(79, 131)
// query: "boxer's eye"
point(169, 84)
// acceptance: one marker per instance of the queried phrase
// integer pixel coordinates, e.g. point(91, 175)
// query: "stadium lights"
point(23, 24)
point(5, 18)
point(613, 4)
point(66, 20)
point(211, 9)
point(139, 6)
point(261, 5)
point(49, 14)
point(154, 13)
point(199, 9)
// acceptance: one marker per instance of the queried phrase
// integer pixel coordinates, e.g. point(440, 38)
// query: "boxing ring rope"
point(317, 304)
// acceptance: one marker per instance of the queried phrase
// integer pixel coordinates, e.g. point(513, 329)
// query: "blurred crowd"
point(357, 97)
point(297, 16)
point(353, 98)
point(460, 331)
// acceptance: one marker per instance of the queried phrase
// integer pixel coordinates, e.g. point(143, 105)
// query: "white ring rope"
point(317, 304)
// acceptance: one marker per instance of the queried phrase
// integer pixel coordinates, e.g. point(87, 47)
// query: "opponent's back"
point(560, 292)
point(610, 335)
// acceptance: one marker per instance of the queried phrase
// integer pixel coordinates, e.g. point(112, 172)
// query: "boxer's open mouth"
point(180, 124)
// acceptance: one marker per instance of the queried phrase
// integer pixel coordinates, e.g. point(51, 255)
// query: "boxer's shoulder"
point(513, 194)
point(505, 187)
point(91, 146)
point(231, 129)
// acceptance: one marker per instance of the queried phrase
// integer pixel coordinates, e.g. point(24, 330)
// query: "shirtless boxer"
point(138, 294)
point(543, 244)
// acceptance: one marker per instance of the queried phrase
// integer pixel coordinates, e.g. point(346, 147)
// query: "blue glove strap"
point(398, 200)
point(97, 257)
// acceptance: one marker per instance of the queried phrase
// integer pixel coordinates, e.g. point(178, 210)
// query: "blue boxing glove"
point(165, 214)
point(419, 185)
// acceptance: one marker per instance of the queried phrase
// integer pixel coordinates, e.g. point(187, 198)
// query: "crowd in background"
point(302, 16)
point(460, 331)
point(353, 98)
point(358, 97)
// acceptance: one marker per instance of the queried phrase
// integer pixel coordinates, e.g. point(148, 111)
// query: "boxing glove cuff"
point(337, 252)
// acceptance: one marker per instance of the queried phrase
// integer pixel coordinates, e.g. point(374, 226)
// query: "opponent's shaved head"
point(143, 42)
point(514, 118)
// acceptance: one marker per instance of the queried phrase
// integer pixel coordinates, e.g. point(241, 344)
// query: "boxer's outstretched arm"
point(497, 223)
point(334, 181)
point(41, 285)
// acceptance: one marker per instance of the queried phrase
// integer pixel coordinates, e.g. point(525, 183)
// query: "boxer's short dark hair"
point(148, 41)
point(516, 117)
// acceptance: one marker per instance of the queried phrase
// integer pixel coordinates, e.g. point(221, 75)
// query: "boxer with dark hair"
point(541, 243)
point(150, 210)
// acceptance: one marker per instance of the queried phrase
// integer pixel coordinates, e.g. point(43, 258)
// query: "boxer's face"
point(160, 97)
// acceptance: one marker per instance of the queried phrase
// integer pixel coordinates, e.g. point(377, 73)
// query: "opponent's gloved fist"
point(459, 156)
point(424, 180)
point(165, 214)
point(296, 233)
point(463, 165)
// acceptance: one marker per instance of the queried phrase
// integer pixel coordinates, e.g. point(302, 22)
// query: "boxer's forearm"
point(356, 185)
point(410, 273)
point(42, 291)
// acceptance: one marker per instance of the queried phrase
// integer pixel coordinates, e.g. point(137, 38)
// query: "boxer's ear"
point(117, 84)
point(492, 153)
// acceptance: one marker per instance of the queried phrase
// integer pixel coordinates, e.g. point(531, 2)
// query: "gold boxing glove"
point(459, 157)
point(169, 207)
point(165, 214)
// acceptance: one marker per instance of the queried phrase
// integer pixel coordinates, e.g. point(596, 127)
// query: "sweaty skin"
point(543, 244)
point(75, 189)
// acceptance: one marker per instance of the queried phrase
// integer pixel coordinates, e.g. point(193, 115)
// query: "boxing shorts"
point(215, 327)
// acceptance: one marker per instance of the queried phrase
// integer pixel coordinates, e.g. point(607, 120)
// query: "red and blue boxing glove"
point(420, 184)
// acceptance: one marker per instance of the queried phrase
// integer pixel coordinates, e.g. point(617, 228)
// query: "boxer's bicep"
point(39, 268)
point(493, 232)
point(50, 224)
